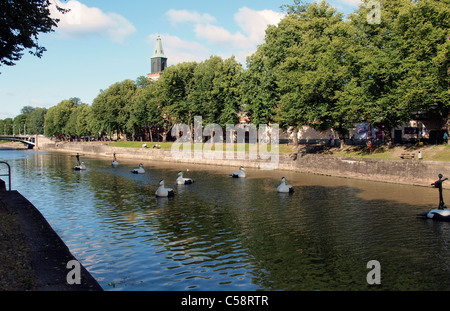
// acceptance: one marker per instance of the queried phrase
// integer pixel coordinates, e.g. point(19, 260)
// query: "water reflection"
point(222, 233)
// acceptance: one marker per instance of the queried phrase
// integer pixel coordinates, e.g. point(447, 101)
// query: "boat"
point(183, 180)
point(437, 214)
point(441, 213)
point(80, 167)
point(240, 174)
point(283, 188)
point(139, 170)
point(162, 191)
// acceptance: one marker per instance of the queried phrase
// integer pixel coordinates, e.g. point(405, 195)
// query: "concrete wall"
point(417, 172)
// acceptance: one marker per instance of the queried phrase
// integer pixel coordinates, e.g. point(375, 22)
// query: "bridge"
point(29, 140)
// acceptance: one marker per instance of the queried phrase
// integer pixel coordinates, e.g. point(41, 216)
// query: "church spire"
point(159, 51)
point(158, 61)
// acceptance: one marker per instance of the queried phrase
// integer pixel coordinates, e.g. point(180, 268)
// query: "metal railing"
point(9, 173)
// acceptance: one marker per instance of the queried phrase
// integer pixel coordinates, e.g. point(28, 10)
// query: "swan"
point(284, 188)
point(80, 167)
point(163, 192)
point(183, 181)
point(240, 174)
point(139, 170)
point(114, 162)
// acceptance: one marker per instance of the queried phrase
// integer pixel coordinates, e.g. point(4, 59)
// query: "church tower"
point(158, 61)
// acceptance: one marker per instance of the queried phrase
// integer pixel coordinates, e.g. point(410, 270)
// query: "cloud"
point(217, 35)
point(185, 16)
point(178, 50)
point(83, 21)
point(352, 2)
point(254, 23)
point(40, 103)
point(242, 43)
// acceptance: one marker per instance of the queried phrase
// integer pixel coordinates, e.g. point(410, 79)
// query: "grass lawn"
point(429, 152)
point(283, 148)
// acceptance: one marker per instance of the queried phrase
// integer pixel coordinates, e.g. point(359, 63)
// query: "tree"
point(422, 29)
point(22, 21)
point(216, 90)
point(84, 124)
point(111, 108)
point(6, 126)
point(57, 117)
point(259, 89)
point(174, 95)
point(308, 53)
point(402, 62)
point(35, 121)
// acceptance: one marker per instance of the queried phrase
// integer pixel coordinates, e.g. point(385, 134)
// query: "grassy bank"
point(429, 152)
point(283, 148)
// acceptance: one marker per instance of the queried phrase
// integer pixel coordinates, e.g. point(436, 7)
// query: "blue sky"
point(101, 42)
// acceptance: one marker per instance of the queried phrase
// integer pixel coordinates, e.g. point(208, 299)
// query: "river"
point(231, 234)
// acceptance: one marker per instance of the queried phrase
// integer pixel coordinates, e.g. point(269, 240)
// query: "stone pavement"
point(49, 254)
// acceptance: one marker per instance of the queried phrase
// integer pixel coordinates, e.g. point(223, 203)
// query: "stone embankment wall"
point(408, 171)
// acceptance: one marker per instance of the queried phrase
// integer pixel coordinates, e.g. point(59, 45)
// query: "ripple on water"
point(227, 234)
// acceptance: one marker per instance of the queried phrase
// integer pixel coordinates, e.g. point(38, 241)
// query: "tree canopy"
point(22, 21)
point(316, 68)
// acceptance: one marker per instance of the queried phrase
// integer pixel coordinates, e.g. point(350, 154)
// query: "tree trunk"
point(341, 137)
point(387, 136)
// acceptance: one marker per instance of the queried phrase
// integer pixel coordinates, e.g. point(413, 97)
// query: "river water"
point(222, 233)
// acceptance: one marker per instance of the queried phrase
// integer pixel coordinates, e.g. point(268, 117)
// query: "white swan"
point(284, 188)
point(80, 167)
point(240, 174)
point(163, 192)
point(139, 170)
point(183, 181)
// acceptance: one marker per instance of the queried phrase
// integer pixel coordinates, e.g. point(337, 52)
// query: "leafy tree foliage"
point(22, 21)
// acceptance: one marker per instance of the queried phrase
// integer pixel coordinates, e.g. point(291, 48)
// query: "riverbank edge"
point(48, 254)
point(400, 171)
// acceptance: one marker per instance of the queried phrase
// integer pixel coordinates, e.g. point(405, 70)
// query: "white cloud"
point(178, 50)
point(254, 23)
point(241, 43)
point(83, 20)
point(220, 36)
point(352, 2)
point(185, 16)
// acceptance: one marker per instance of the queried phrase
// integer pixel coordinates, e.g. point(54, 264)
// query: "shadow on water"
point(222, 233)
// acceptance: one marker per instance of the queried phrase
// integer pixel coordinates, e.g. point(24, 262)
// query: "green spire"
point(159, 51)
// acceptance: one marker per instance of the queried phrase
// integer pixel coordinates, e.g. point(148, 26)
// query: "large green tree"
point(58, 116)
point(402, 62)
point(111, 108)
point(259, 89)
point(309, 53)
point(21, 23)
